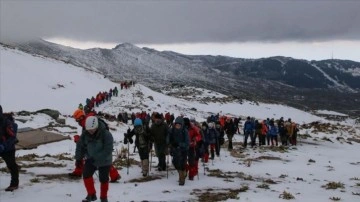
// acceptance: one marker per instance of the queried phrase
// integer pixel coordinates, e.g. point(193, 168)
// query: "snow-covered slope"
point(33, 83)
point(255, 175)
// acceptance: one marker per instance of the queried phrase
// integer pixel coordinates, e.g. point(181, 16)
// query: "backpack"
point(106, 125)
point(9, 120)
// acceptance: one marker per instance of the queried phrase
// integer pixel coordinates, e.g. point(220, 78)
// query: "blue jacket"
point(248, 126)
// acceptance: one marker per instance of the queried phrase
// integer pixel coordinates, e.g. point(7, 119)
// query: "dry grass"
point(286, 195)
point(218, 194)
point(333, 185)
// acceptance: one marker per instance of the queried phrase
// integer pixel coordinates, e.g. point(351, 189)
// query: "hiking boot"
point(74, 175)
point(90, 198)
point(11, 188)
point(103, 200)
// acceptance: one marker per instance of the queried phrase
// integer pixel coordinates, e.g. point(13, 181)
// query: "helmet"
point(137, 122)
point(91, 123)
point(78, 114)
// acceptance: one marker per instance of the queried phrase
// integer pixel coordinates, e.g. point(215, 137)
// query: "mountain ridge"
point(325, 84)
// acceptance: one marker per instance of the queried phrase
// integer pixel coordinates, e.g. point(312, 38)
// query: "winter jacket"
point(142, 136)
point(273, 131)
point(179, 138)
point(159, 132)
point(97, 147)
point(7, 133)
point(248, 126)
point(213, 135)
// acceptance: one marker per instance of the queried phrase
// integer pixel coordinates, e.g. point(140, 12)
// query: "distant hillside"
point(327, 84)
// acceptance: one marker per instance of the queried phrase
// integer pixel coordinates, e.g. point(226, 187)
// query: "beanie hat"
point(158, 116)
point(179, 120)
point(204, 124)
point(186, 122)
point(78, 114)
point(137, 122)
point(91, 123)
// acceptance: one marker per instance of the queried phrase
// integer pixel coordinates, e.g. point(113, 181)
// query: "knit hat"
point(186, 122)
point(137, 122)
point(158, 116)
point(179, 120)
point(78, 114)
point(91, 123)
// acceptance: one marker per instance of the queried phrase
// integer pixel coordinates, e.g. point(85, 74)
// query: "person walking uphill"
point(179, 142)
point(8, 129)
point(80, 118)
point(142, 142)
point(159, 131)
point(96, 145)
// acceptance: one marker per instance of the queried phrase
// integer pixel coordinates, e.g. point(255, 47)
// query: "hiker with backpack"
point(8, 130)
point(195, 143)
point(159, 131)
point(178, 141)
point(96, 146)
point(249, 131)
point(230, 130)
point(142, 142)
point(80, 118)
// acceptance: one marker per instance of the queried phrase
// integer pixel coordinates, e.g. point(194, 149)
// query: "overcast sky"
point(303, 29)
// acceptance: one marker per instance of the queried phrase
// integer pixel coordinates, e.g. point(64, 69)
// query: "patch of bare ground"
point(121, 163)
point(43, 164)
point(218, 194)
point(145, 179)
point(62, 177)
point(35, 157)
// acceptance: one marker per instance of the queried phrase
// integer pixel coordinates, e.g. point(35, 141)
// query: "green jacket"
point(98, 146)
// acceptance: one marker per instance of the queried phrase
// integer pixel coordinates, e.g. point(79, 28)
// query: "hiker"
point(195, 142)
point(273, 131)
point(178, 140)
point(213, 136)
point(230, 130)
point(96, 146)
point(80, 118)
point(159, 132)
point(248, 131)
point(8, 129)
point(263, 133)
point(142, 142)
point(206, 140)
point(220, 140)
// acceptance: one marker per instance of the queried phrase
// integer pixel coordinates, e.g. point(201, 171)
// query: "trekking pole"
point(128, 158)
point(167, 166)
point(204, 168)
point(150, 160)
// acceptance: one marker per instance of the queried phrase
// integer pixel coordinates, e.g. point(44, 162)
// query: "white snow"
point(30, 83)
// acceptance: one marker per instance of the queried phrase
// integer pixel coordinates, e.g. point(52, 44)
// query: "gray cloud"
point(156, 22)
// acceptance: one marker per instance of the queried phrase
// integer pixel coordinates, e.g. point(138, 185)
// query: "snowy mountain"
point(311, 171)
point(328, 84)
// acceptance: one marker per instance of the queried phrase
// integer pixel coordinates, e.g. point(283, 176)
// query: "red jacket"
point(194, 135)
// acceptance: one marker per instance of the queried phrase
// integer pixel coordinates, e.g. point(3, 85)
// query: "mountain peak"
point(125, 45)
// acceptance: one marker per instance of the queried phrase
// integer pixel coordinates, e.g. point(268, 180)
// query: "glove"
point(78, 163)
point(2, 148)
point(89, 160)
point(76, 138)
point(131, 140)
